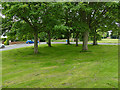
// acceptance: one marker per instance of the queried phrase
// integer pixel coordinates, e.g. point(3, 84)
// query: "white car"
point(2, 46)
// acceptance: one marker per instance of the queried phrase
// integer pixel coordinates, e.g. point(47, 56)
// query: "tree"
point(78, 24)
point(30, 13)
point(103, 16)
point(85, 13)
point(67, 19)
point(50, 19)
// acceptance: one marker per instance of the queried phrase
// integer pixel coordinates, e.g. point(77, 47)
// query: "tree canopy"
point(31, 19)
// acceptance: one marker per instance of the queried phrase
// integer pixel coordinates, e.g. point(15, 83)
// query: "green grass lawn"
point(108, 41)
point(101, 41)
point(61, 66)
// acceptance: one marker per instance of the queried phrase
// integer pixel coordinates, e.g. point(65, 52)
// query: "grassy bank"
point(61, 66)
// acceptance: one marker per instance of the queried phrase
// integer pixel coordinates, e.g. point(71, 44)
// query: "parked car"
point(30, 42)
point(2, 46)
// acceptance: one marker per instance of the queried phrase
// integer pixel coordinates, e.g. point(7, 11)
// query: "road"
point(9, 47)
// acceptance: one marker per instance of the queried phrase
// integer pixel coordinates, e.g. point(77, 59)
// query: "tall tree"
point(30, 13)
point(67, 19)
point(51, 18)
point(103, 15)
point(85, 13)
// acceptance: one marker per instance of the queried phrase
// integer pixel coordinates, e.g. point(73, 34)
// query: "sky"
point(2, 15)
point(1, 12)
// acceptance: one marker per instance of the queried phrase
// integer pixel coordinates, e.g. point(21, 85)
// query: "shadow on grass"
point(84, 51)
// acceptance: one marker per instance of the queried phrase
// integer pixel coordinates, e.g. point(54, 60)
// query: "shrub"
point(6, 42)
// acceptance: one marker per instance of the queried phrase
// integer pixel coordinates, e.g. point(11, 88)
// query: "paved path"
point(9, 47)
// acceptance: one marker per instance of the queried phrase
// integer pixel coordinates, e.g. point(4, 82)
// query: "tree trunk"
point(77, 39)
point(85, 40)
point(49, 39)
point(95, 38)
point(35, 42)
point(68, 37)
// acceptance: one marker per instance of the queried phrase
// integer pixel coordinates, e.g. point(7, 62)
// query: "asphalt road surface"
point(9, 47)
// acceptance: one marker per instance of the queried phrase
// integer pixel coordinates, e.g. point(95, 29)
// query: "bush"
point(4, 39)
point(42, 40)
point(99, 37)
point(6, 42)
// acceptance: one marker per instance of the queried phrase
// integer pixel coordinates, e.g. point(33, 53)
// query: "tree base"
point(85, 51)
point(36, 52)
point(68, 44)
point(95, 44)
